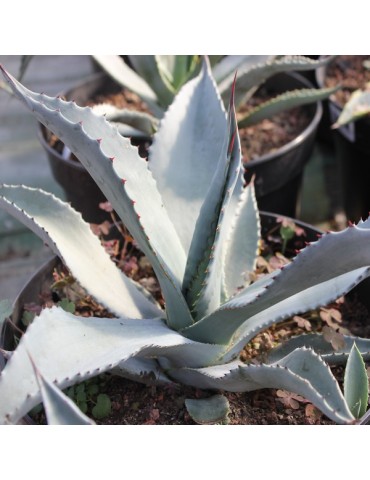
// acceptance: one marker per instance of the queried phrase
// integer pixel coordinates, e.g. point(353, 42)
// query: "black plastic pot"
point(79, 187)
point(279, 174)
point(352, 150)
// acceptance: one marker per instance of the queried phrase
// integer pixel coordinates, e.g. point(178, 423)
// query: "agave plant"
point(158, 78)
point(196, 222)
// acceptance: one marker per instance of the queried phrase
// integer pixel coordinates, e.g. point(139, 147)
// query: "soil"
point(137, 404)
point(272, 133)
point(349, 72)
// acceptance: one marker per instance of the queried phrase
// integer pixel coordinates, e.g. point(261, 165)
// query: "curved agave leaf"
point(285, 101)
point(357, 107)
point(148, 69)
point(59, 409)
point(125, 76)
point(71, 238)
point(356, 383)
point(226, 68)
point(127, 183)
point(241, 249)
point(141, 123)
point(302, 372)
point(321, 273)
point(185, 151)
point(322, 347)
point(176, 69)
point(143, 370)
point(207, 286)
point(309, 299)
point(250, 78)
point(68, 349)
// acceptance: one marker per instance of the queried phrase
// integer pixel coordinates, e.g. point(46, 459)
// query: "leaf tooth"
point(99, 140)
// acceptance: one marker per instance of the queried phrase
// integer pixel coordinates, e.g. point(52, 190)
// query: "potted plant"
point(349, 133)
point(156, 79)
point(195, 239)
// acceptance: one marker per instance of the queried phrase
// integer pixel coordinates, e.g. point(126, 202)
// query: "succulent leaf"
point(208, 411)
point(322, 347)
point(356, 383)
point(71, 238)
point(209, 273)
point(249, 78)
point(141, 123)
point(68, 349)
point(148, 69)
point(241, 249)
point(302, 372)
point(59, 409)
point(143, 370)
point(177, 69)
point(225, 69)
point(184, 152)
point(357, 107)
point(285, 101)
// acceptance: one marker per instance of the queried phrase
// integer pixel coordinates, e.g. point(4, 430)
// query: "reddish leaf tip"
point(231, 145)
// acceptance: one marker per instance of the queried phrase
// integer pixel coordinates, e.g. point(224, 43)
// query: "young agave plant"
point(158, 78)
point(198, 225)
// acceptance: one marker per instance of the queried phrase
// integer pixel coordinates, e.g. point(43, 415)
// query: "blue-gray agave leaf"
point(59, 409)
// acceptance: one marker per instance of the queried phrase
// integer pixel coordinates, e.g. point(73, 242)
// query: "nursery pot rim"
point(301, 137)
point(72, 163)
